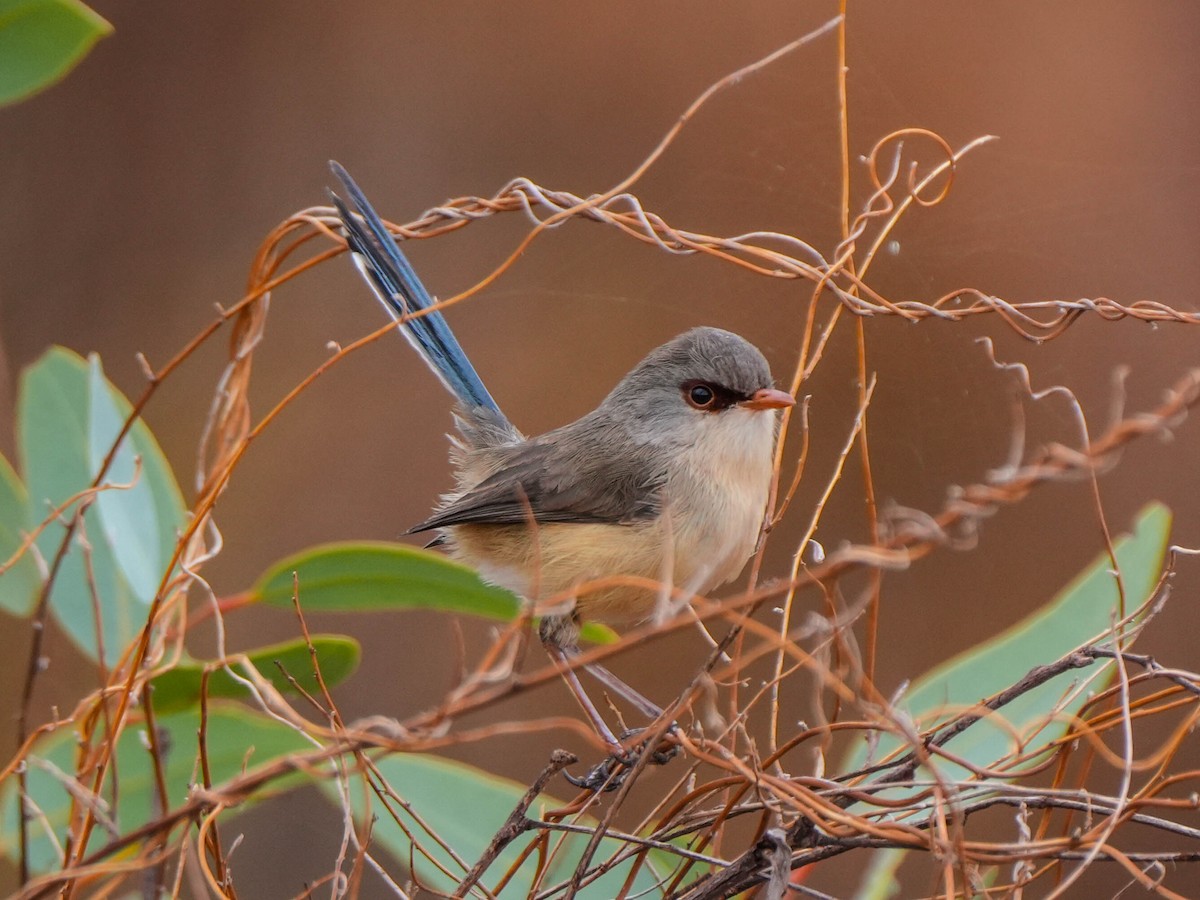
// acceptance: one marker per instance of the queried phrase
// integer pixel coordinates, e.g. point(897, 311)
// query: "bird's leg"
point(559, 637)
point(562, 661)
point(646, 707)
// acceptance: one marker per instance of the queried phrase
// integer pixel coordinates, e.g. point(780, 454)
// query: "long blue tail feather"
point(394, 282)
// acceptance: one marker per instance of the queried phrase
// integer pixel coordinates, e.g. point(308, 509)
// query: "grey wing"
point(552, 480)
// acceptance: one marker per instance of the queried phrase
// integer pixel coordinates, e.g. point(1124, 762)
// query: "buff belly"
point(554, 563)
point(548, 564)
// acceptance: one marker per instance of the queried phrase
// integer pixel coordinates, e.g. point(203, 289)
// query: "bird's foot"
point(611, 772)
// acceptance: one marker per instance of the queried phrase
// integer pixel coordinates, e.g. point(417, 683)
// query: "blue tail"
point(398, 288)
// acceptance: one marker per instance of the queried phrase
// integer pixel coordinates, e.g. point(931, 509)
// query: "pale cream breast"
point(718, 493)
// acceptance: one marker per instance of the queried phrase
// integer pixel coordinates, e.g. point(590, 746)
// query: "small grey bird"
point(666, 480)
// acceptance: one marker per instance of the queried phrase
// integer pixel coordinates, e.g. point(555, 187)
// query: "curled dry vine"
point(796, 816)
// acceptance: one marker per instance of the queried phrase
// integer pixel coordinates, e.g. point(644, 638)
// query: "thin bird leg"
point(560, 637)
point(635, 699)
point(610, 774)
point(561, 660)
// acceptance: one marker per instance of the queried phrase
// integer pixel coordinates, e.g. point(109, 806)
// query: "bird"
point(665, 482)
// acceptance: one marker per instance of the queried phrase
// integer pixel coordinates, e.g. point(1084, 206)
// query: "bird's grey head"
point(703, 373)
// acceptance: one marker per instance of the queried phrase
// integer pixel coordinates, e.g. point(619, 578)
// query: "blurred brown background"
point(135, 193)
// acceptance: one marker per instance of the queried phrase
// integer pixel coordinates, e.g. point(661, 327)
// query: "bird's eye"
point(700, 396)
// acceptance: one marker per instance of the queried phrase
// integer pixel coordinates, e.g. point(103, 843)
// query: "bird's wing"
point(552, 480)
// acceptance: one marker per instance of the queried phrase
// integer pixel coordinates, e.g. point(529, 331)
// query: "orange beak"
point(768, 398)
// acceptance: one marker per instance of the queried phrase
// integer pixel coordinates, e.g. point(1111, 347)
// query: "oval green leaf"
point(52, 416)
point(41, 41)
point(338, 656)
point(1081, 613)
point(55, 429)
point(372, 576)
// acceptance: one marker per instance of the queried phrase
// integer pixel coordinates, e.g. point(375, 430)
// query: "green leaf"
point(52, 415)
point(465, 806)
point(338, 656)
point(58, 436)
point(150, 516)
point(41, 41)
point(364, 577)
point(127, 514)
point(20, 584)
point(238, 739)
point(1082, 612)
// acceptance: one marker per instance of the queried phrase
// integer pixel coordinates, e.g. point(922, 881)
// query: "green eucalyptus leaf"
point(41, 41)
point(64, 411)
point(52, 417)
point(371, 576)
point(338, 656)
point(1082, 612)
